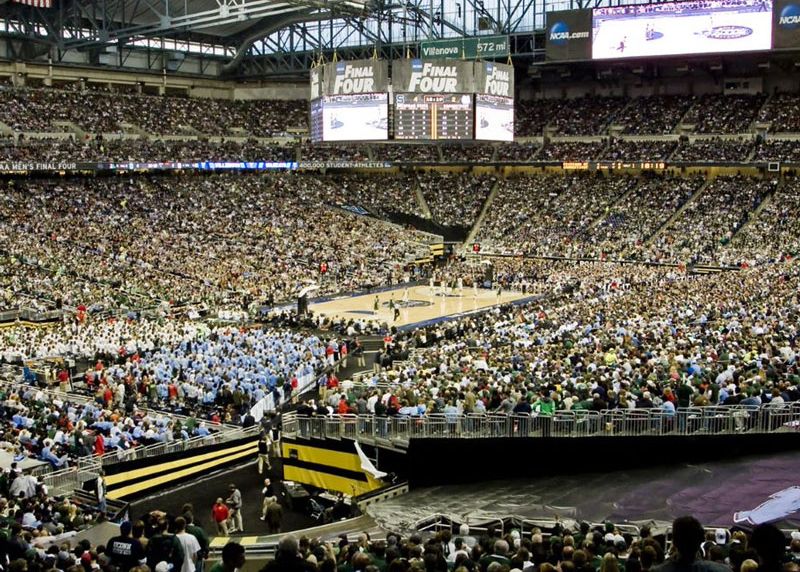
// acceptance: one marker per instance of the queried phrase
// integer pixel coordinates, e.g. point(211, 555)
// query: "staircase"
point(682, 120)
point(6, 130)
point(70, 127)
point(482, 215)
point(677, 213)
point(133, 129)
point(611, 208)
point(421, 202)
point(752, 127)
point(754, 214)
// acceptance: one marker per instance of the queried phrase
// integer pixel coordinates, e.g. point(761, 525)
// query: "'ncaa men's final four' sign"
point(349, 78)
point(432, 76)
point(358, 76)
point(494, 79)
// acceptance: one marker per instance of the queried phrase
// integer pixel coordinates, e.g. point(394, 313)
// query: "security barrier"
point(712, 420)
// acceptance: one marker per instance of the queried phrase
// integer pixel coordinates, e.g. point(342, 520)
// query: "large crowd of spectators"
point(711, 220)
point(627, 336)
point(654, 115)
point(381, 195)
point(138, 149)
point(477, 153)
point(630, 222)
point(547, 215)
point(584, 115)
point(98, 111)
point(455, 200)
point(583, 547)
point(175, 366)
point(411, 153)
point(141, 150)
point(584, 215)
point(571, 150)
point(625, 150)
point(39, 110)
point(771, 234)
point(56, 430)
point(724, 113)
point(714, 149)
point(781, 113)
point(516, 151)
point(778, 150)
point(214, 240)
point(339, 152)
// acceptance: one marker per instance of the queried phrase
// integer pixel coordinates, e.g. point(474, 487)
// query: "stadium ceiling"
point(75, 24)
point(278, 38)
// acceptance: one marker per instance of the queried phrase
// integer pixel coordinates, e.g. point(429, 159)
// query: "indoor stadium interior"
point(425, 286)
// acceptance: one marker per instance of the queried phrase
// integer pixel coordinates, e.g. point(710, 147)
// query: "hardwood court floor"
point(423, 304)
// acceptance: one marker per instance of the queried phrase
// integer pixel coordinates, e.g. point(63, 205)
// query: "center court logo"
point(790, 17)
point(559, 34)
point(408, 303)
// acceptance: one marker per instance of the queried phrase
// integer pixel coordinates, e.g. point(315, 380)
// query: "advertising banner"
point(786, 24)
point(432, 76)
point(568, 35)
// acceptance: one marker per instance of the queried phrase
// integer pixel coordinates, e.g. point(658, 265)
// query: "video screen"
point(357, 117)
point(433, 116)
point(494, 118)
point(710, 26)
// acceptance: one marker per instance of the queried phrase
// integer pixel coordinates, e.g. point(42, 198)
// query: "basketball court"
point(417, 304)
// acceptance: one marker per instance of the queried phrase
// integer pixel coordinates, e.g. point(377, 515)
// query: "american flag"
point(36, 3)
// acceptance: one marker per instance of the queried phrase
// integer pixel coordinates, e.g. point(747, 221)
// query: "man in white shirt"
point(189, 543)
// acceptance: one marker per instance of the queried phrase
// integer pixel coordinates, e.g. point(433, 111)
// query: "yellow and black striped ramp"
point(437, 249)
point(327, 464)
point(128, 480)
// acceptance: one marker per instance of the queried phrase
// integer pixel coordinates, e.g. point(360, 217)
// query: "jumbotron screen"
point(353, 117)
point(433, 116)
point(711, 26)
point(494, 118)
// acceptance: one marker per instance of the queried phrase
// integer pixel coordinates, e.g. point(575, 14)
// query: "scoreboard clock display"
point(315, 122)
point(433, 116)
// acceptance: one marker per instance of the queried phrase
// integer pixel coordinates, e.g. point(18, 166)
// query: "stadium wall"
point(333, 464)
point(282, 91)
point(194, 86)
point(441, 461)
point(693, 81)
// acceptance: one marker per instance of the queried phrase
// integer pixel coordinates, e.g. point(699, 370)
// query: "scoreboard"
point(433, 116)
point(315, 123)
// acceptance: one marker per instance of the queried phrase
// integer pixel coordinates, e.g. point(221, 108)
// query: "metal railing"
point(30, 315)
point(179, 445)
point(712, 420)
point(89, 465)
point(64, 481)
